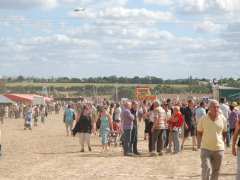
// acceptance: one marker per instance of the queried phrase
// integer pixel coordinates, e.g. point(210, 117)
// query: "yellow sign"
point(144, 93)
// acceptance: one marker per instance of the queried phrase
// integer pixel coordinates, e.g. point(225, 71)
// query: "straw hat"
point(234, 104)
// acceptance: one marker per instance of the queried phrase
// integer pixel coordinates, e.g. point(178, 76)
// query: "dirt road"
point(45, 153)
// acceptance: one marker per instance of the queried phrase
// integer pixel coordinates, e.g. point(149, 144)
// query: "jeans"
point(175, 135)
point(134, 135)
point(166, 137)
point(127, 141)
point(228, 138)
point(211, 162)
point(157, 138)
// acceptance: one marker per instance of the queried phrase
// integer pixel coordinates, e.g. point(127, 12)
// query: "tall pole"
point(116, 92)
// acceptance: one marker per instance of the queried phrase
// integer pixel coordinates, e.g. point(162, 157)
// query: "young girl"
point(105, 127)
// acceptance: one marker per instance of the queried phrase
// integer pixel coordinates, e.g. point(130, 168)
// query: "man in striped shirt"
point(159, 125)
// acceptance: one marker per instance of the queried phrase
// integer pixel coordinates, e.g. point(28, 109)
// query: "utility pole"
point(116, 92)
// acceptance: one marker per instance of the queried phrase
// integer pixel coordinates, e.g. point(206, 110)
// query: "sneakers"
point(82, 150)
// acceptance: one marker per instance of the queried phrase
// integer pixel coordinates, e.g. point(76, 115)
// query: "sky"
point(170, 39)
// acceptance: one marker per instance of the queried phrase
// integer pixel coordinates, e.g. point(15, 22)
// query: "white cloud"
point(209, 5)
point(194, 5)
point(98, 4)
point(22, 4)
point(125, 14)
point(208, 26)
point(229, 5)
point(158, 2)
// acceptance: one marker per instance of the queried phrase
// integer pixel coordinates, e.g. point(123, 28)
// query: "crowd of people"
point(167, 126)
point(31, 114)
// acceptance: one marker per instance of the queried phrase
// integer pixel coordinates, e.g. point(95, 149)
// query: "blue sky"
point(165, 38)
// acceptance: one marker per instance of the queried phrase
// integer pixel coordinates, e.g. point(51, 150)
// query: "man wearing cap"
point(212, 130)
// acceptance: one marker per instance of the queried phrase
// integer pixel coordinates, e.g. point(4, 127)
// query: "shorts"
point(191, 130)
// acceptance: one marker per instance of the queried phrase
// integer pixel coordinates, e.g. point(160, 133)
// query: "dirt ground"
point(45, 153)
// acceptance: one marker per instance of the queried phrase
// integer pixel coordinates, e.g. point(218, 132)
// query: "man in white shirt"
point(225, 111)
point(199, 113)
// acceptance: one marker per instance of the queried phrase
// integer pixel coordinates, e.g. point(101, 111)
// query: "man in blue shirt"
point(69, 116)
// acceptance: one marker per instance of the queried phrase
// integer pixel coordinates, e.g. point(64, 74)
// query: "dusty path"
point(45, 153)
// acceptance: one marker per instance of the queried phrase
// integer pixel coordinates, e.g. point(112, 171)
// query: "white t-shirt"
point(225, 110)
point(118, 113)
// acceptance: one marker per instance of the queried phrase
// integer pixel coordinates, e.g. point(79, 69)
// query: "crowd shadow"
point(199, 175)
point(228, 174)
point(95, 154)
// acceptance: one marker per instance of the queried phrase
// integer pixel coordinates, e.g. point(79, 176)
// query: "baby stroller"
point(114, 134)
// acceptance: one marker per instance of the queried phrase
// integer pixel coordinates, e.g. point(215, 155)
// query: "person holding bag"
point(84, 127)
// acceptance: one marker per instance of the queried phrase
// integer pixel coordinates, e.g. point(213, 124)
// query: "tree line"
point(109, 79)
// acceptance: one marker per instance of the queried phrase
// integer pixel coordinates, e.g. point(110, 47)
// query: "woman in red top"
point(175, 123)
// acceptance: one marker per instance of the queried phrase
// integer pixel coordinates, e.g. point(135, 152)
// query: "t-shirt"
point(199, 113)
point(85, 124)
point(117, 115)
point(159, 116)
point(134, 113)
point(232, 118)
point(69, 116)
point(189, 117)
point(127, 119)
point(225, 110)
point(212, 138)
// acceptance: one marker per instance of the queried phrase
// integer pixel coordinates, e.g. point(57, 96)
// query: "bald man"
point(212, 129)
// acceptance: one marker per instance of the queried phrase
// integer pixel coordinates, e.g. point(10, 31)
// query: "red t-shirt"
point(178, 118)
